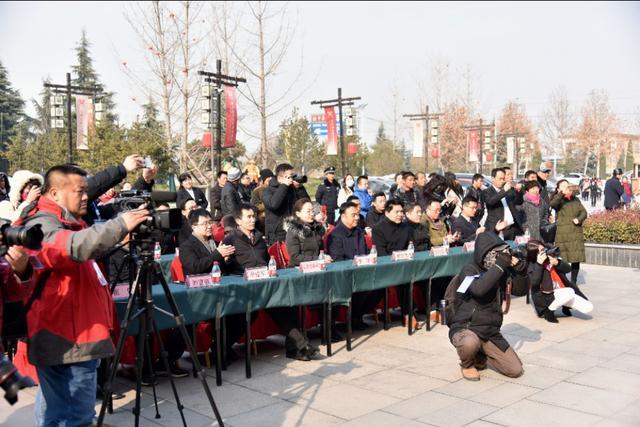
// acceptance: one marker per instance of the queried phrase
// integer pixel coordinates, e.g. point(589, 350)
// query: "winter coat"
point(477, 194)
point(466, 228)
point(196, 258)
point(304, 241)
point(569, 236)
point(373, 217)
point(278, 203)
point(72, 319)
point(327, 195)
point(215, 197)
point(365, 200)
point(247, 254)
point(199, 197)
point(389, 236)
point(13, 288)
point(230, 199)
point(344, 243)
point(534, 218)
point(11, 209)
point(344, 194)
point(421, 240)
point(479, 308)
point(542, 285)
point(410, 196)
point(613, 190)
point(437, 231)
point(245, 193)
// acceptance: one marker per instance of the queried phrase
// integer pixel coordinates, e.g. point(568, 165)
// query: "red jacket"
point(70, 322)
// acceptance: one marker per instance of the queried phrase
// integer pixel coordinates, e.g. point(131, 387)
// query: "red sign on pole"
point(352, 148)
point(206, 140)
point(474, 144)
point(332, 134)
point(231, 110)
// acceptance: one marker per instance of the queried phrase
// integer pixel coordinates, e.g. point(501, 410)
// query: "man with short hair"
point(466, 224)
point(215, 195)
point(376, 212)
point(406, 191)
point(543, 176)
point(279, 198)
point(413, 216)
point(613, 190)
point(421, 182)
point(251, 251)
point(501, 207)
point(230, 195)
point(397, 180)
point(187, 190)
point(362, 192)
point(475, 191)
point(354, 199)
point(256, 197)
point(70, 323)
point(530, 175)
point(438, 229)
point(327, 193)
point(345, 242)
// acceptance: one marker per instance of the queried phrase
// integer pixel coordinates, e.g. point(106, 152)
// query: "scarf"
point(555, 277)
point(532, 198)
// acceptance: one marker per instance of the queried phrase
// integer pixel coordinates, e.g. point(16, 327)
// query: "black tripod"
point(140, 291)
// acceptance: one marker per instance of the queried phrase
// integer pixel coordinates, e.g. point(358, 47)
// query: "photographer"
point(279, 198)
point(69, 324)
point(550, 288)
point(25, 190)
point(474, 326)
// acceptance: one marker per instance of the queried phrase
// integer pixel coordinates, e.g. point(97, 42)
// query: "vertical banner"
point(510, 149)
point(231, 116)
point(473, 142)
point(418, 138)
point(84, 118)
point(332, 134)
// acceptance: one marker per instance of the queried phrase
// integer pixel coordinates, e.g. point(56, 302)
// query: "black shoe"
point(147, 381)
point(232, 356)
point(359, 326)
point(566, 311)
point(177, 372)
point(336, 336)
point(549, 316)
point(306, 354)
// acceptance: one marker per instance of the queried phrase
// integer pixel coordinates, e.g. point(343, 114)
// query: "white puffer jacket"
point(11, 209)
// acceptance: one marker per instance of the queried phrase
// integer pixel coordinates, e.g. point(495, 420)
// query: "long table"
point(335, 285)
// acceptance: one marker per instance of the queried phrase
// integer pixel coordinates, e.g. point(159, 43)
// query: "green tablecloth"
point(292, 288)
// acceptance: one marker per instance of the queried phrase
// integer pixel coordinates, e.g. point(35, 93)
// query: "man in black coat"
point(474, 329)
point(251, 251)
point(279, 198)
point(475, 191)
point(376, 211)
point(327, 193)
point(344, 243)
point(187, 190)
point(413, 215)
point(230, 199)
point(466, 224)
point(215, 195)
point(543, 176)
point(613, 190)
point(501, 206)
point(406, 191)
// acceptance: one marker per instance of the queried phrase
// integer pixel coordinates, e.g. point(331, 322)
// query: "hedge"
point(619, 226)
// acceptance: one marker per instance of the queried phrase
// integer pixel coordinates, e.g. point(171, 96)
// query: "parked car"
point(465, 180)
point(380, 183)
point(573, 177)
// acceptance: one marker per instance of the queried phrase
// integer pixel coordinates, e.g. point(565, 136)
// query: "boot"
point(549, 316)
point(566, 311)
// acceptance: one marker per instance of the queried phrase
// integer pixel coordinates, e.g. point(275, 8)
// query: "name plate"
point(121, 290)
point(402, 255)
point(198, 281)
point(439, 251)
point(312, 266)
point(257, 273)
point(522, 240)
point(365, 260)
point(469, 247)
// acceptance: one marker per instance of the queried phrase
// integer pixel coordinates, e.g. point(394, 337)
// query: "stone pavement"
point(583, 371)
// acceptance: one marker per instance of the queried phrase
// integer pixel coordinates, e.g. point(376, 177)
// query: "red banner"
point(206, 140)
point(352, 148)
point(84, 116)
point(332, 133)
point(231, 113)
point(473, 142)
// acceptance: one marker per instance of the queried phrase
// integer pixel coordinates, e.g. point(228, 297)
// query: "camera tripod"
point(140, 293)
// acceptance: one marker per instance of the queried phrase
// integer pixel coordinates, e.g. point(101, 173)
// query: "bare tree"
point(597, 127)
point(514, 123)
point(558, 122)
point(226, 19)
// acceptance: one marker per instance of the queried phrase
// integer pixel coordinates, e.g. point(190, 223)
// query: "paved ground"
point(582, 371)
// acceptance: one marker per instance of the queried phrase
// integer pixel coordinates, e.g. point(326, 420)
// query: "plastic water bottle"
point(321, 256)
point(215, 273)
point(411, 247)
point(374, 252)
point(527, 235)
point(445, 242)
point(157, 251)
point(272, 267)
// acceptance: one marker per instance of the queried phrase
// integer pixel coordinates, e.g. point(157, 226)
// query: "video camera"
point(300, 179)
point(519, 252)
point(28, 236)
point(164, 220)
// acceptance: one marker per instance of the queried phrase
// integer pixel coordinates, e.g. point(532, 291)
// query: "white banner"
point(418, 138)
point(84, 115)
point(510, 149)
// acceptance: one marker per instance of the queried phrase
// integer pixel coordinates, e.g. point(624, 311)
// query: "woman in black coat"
point(304, 234)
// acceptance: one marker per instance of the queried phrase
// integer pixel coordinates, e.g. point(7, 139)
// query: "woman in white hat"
point(25, 190)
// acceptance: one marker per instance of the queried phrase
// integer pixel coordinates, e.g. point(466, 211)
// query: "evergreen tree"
point(297, 145)
point(628, 166)
point(11, 108)
point(384, 159)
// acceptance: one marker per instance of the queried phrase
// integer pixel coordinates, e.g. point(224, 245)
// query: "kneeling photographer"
point(550, 288)
point(69, 323)
point(16, 283)
point(475, 315)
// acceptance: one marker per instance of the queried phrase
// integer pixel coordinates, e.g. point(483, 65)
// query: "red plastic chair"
point(279, 252)
point(177, 275)
point(218, 232)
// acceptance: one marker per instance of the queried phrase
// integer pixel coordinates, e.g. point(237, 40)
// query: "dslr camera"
point(164, 220)
point(519, 252)
point(11, 381)
point(28, 236)
point(300, 179)
point(552, 251)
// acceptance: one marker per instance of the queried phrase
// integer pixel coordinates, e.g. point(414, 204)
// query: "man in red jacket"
point(69, 324)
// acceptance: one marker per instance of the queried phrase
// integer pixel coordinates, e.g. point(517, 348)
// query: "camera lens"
point(29, 236)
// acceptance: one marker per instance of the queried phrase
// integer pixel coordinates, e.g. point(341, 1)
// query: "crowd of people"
point(70, 322)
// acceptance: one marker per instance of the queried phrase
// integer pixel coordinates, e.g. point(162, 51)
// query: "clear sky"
point(515, 50)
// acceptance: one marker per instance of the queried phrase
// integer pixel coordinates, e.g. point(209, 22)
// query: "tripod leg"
point(385, 322)
point(247, 341)
point(183, 330)
point(223, 323)
point(195, 331)
point(428, 304)
point(219, 349)
point(148, 353)
point(142, 343)
point(329, 327)
point(410, 305)
point(349, 331)
point(165, 363)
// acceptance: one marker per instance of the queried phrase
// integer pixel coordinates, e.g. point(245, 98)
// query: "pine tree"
point(11, 108)
point(384, 159)
point(297, 145)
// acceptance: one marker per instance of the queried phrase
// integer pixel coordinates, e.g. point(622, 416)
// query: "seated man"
point(251, 251)
point(438, 229)
point(354, 199)
point(413, 213)
point(345, 242)
point(474, 327)
point(466, 224)
point(376, 211)
point(197, 255)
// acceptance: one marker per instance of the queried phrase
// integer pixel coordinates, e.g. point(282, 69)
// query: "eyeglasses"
point(206, 224)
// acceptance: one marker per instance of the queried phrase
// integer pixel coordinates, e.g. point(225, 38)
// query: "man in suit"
point(501, 206)
point(188, 191)
point(467, 224)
